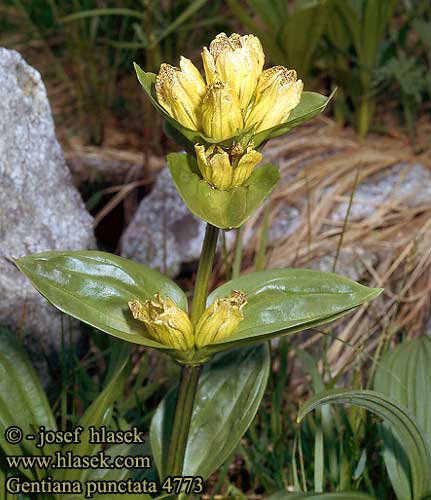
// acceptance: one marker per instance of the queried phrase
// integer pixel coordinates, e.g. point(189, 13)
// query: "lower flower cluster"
point(170, 325)
point(226, 170)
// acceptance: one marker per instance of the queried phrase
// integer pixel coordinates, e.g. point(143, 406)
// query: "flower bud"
point(223, 171)
point(236, 60)
point(214, 165)
point(221, 113)
point(220, 319)
point(165, 322)
point(180, 92)
point(278, 92)
point(244, 166)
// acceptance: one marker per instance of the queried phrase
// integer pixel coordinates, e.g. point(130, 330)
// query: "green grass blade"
point(411, 436)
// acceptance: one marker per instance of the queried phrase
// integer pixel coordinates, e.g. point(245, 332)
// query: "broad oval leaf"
point(95, 287)
point(404, 375)
point(283, 301)
point(342, 495)
point(23, 402)
point(229, 393)
point(223, 209)
point(411, 436)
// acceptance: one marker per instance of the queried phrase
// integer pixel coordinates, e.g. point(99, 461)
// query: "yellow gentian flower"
point(278, 93)
point(220, 319)
point(221, 112)
point(180, 92)
point(165, 321)
point(237, 61)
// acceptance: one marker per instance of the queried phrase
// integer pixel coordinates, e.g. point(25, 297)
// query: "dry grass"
point(320, 165)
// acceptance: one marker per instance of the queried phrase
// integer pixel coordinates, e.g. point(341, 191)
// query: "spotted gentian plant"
point(221, 118)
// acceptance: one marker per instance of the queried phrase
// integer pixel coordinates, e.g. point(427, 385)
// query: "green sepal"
point(223, 209)
point(284, 301)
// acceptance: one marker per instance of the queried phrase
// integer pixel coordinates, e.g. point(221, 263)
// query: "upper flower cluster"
point(237, 93)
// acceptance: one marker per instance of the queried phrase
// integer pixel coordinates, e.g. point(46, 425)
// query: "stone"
point(40, 209)
point(403, 184)
point(351, 263)
point(163, 234)
point(288, 221)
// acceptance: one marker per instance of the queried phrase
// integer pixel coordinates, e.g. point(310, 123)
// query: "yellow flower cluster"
point(237, 94)
point(169, 325)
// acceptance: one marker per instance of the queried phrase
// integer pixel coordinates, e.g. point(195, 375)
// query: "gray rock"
point(39, 207)
point(288, 220)
point(407, 185)
point(351, 262)
point(163, 233)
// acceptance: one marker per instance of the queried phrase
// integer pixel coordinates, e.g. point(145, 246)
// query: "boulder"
point(163, 234)
point(40, 209)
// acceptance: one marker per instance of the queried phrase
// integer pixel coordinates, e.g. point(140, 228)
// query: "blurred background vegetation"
point(378, 54)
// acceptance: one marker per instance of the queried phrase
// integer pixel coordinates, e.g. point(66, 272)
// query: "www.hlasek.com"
point(49, 481)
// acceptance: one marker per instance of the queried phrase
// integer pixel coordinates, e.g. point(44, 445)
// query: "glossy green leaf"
point(344, 495)
point(229, 393)
point(404, 374)
point(121, 474)
point(116, 474)
point(401, 421)
point(223, 209)
point(23, 402)
point(311, 105)
point(283, 301)
point(95, 287)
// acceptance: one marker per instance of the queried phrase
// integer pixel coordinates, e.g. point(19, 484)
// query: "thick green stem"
point(183, 415)
point(190, 374)
point(204, 272)
point(237, 261)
